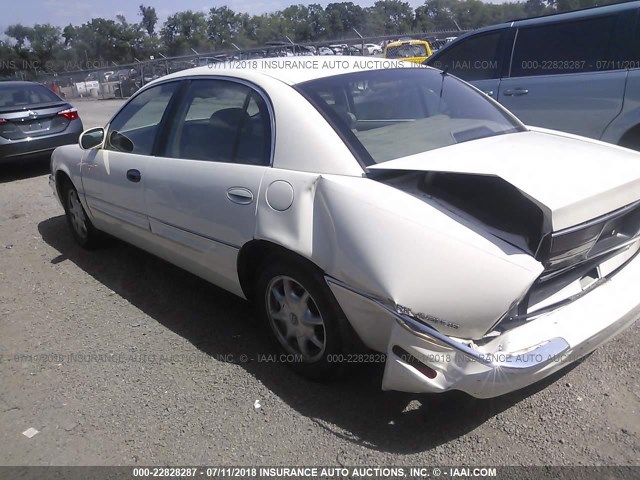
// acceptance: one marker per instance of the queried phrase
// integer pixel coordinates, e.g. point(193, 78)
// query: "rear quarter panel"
point(407, 251)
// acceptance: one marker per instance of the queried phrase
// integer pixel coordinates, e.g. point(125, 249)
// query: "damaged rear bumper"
point(422, 360)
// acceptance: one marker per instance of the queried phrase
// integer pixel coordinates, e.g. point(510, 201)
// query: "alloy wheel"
point(295, 318)
point(77, 215)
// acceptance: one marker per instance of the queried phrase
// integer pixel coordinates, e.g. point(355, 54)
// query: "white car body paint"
point(383, 249)
point(583, 179)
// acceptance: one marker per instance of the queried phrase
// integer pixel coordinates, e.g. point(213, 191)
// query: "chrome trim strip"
point(362, 293)
point(532, 359)
point(595, 260)
point(601, 219)
point(191, 232)
point(117, 212)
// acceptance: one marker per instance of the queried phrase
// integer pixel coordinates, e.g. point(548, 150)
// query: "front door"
point(114, 176)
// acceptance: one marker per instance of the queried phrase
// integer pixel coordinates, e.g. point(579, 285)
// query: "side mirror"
point(91, 138)
point(120, 142)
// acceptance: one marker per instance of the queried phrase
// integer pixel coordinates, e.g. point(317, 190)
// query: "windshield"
point(407, 51)
point(387, 114)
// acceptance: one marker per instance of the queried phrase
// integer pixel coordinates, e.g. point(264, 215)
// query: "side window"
point(134, 129)
point(221, 121)
point(475, 58)
point(561, 48)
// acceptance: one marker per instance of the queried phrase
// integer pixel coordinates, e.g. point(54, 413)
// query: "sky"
point(63, 12)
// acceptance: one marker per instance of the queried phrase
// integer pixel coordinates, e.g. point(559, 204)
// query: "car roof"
point(292, 70)
point(17, 83)
point(555, 17)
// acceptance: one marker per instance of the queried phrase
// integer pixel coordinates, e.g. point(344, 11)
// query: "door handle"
point(134, 175)
point(515, 92)
point(240, 195)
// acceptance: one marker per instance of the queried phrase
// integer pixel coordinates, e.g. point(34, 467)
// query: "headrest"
point(228, 118)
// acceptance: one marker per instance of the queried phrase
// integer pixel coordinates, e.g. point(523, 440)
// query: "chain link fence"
point(104, 81)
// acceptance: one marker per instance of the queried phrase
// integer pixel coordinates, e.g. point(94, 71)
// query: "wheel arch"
point(254, 253)
point(61, 177)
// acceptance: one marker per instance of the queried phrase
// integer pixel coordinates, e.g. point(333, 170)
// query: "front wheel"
point(302, 316)
point(81, 227)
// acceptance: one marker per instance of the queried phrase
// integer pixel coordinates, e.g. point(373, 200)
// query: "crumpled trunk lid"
point(572, 180)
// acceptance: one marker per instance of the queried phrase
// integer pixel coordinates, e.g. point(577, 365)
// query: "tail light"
point(70, 114)
point(2, 120)
point(406, 357)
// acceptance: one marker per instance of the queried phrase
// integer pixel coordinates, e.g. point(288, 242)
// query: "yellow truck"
point(416, 51)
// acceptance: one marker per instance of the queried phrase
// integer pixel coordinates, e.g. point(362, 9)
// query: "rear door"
point(201, 191)
point(114, 177)
point(478, 59)
point(565, 75)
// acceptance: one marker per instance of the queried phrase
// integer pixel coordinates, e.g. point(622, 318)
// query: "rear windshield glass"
point(393, 113)
point(407, 51)
point(12, 95)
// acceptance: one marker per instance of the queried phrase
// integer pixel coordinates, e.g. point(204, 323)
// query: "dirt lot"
point(116, 357)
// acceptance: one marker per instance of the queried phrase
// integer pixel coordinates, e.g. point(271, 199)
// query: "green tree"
point(223, 25)
point(394, 16)
point(566, 5)
point(441, 13)
point(149, 19)
point(19, 33)
point(296, 22)
point(45, 42)
point(317, 21)
point(342, 18)
point(184, 31)
point(423, 21)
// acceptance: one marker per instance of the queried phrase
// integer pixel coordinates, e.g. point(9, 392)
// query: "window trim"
point(355, 146)
point(501, 56)
point(160, 128)
point(179, 100)
point(168, 118)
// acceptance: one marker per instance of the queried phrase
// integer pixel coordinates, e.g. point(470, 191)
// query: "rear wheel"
point(81, 227)
point(302, 316)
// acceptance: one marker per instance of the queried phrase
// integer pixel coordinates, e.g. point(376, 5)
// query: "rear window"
point(387, 114)
point(407, 51)
point(12, 95)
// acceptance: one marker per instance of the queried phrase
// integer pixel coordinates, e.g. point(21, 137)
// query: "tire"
point(83, 231)
point(303, 319)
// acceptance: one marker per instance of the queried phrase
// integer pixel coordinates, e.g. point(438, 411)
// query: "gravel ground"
point(167, 383)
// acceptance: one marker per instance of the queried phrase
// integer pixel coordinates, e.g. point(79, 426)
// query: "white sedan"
point(372, 210)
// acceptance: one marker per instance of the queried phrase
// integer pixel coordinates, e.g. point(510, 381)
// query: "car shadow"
point(23, 169)
point(221, 325)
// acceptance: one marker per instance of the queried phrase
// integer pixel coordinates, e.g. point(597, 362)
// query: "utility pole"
point(361, 39)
